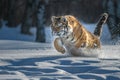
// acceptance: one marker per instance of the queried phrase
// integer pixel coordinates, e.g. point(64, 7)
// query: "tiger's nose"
point(60, 24)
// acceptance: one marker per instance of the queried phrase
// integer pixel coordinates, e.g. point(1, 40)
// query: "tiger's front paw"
point(63, 51)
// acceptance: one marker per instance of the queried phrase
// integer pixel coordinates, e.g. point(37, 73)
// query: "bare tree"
point(118, 17)
point(1, 2)
point(11, 13)
point(27, 18)
point(40, 34)
point(112, 7)
point(0, 23)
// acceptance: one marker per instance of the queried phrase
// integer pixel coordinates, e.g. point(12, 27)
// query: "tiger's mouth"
point(61, 33)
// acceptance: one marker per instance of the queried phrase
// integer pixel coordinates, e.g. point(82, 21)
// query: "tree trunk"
point(4, 9)
point(40, 34)
point(1, 12)
point(113, 9)
point(0, 23)
point(11, 13)
point(27, 19)
point(118, 17)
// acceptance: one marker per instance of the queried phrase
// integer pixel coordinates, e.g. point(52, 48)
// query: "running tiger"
point(71, 32)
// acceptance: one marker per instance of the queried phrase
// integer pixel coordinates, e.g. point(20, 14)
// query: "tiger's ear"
point(64, 19)
point(53, 18)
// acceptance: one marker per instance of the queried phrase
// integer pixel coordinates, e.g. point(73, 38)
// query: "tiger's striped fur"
point(98, 29)
point(70, 31)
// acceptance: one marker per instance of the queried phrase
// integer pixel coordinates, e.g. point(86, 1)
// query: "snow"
point(27, 60)
point(37, 61)
point(14, 34)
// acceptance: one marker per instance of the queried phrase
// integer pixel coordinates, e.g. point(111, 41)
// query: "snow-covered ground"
point(20, 60)
point(23, 60)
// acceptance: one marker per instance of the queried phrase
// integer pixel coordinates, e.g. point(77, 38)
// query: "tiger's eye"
point(58, 19)
point(64, 19)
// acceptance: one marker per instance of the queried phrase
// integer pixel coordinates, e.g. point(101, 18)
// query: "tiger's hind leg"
point(98, 29)
point(59, 46)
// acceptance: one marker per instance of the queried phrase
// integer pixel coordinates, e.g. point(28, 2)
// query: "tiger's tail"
point(102, 20)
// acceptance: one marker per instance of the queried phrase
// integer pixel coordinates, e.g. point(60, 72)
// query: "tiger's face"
point(60, 26)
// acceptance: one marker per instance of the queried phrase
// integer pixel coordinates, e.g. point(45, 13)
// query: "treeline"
point(84, 9)
point(37, 13)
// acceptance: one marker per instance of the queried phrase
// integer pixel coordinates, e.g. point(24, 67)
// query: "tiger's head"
point(60, 26)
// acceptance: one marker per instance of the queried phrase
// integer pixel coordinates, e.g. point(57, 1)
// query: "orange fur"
point(79, 37)
point(58, 45)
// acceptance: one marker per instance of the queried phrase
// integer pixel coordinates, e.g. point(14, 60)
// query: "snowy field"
point(23, 60)
point(20, 60)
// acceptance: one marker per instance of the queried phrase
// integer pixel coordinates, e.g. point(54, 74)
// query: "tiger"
point(70, 32)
